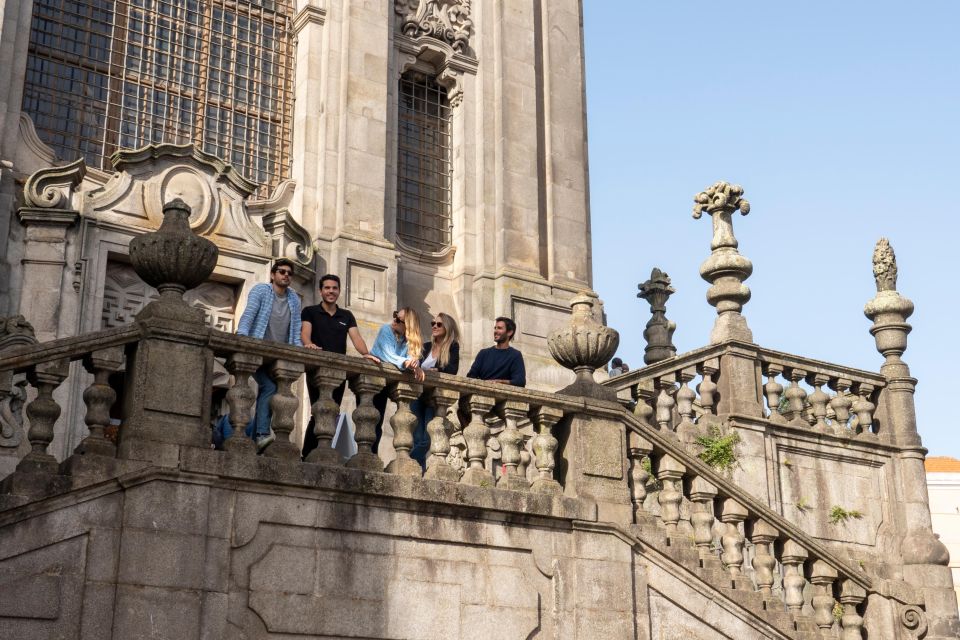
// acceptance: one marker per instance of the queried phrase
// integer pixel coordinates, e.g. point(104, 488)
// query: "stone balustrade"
point(744, 543)
point(798, 393)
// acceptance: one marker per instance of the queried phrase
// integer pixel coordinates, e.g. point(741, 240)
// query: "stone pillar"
point(47, 215)
point(925, 558)
point(593, 448)
point(165, 411)
point(725, 269)
point(309, 116)
point(15, 18)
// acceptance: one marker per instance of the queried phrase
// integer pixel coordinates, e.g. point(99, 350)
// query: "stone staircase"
point(707, 567)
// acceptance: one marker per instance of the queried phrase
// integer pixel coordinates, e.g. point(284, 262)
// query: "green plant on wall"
point(840, 515)
point(719, 449)
point(802, 505)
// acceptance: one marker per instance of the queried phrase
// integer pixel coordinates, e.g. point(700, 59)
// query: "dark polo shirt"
point(329, 332)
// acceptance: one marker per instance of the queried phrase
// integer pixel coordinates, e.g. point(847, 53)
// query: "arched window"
point(424, 164)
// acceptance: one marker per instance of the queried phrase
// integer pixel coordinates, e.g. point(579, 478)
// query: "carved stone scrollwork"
point(446, 20)
point(914, 620)
point(50, 188)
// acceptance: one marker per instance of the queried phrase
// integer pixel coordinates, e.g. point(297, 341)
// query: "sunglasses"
point(396, 316)
point(284, 272)
point(434, 323)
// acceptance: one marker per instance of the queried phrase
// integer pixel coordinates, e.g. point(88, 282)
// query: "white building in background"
point(943, 486)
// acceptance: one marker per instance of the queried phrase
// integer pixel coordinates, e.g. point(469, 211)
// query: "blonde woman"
point(442, 354)
point(395, 343)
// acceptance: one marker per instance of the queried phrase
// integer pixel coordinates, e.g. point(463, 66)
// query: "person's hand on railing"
point(372, 358)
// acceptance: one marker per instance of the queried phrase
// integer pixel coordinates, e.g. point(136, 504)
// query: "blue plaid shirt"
point(256, 316)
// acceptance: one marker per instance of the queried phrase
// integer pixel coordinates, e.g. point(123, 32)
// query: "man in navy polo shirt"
point(325, 326)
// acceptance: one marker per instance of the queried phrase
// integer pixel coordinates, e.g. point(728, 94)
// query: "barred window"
point(424, 164)
point(109, 74)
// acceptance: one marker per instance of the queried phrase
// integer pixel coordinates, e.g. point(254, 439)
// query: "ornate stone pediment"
point(446, 20)
point(146, 178)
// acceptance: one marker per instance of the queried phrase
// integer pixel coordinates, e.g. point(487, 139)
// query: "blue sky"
point(842, 122)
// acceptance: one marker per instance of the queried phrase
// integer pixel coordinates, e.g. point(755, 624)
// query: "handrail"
point(222, 343)
point(811, 365)
point(73, 348)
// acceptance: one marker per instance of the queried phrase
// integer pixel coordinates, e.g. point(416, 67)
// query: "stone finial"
point(725, 269)
point(15, 331)
point(889, 311)
point(659, 330)
point(584, 346)
point(885, 266)
point(173, 259)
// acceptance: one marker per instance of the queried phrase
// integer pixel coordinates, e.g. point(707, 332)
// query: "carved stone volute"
point(584, 345)
point(173, 259)
point(51, 188)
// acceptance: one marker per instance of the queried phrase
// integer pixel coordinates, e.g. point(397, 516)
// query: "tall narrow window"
point(423, 164)
point(109, 74)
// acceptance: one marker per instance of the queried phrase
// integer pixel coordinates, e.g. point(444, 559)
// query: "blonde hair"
point(452, 335)
point(411, 326)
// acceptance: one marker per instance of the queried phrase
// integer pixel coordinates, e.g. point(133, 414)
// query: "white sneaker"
point(264, 441)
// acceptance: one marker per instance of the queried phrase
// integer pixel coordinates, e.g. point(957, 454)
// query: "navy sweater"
point(499, 364)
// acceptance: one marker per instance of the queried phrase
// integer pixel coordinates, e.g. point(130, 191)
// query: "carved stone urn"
point(173, 259)
point(584, 346)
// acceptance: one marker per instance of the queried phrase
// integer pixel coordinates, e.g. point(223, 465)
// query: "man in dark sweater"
point(501, 362)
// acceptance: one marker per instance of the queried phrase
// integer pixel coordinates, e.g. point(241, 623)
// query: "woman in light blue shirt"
point(394, 344)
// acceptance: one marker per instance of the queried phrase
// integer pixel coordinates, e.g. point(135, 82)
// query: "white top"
point(429, 362)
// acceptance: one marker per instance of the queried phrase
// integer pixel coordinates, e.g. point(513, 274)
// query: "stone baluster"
point(644, 394)
point(818, 401)
point(42, 413)
point(686, 430)
point(792, 559)
point(511, 441)
point(670, 473)
point(283, 410)
point(763, 535)
point(241, 399)
point(403, 423)
point(545, 448)
point(773, 390)
point(795, 397)
point(841, 404)
point(325, 412)
point(702, 495)
point(707, 387)
point(822, 576)
point(439, 429)
point(365, 418)
point(638, 448)
point(665, 402)
point(851, 623)
point(731, 515)
point(863, 408)
point(476, 435)
point(99, 397)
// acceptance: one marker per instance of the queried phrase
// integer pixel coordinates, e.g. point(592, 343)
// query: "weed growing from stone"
point(719, 449)
point(839, 515)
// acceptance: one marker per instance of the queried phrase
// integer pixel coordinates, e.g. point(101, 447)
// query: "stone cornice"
point(311, 14)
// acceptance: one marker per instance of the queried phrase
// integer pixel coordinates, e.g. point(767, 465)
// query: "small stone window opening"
point(424, 164)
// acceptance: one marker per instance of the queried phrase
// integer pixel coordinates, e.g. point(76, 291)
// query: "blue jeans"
point(421, 438)
point(259, 425)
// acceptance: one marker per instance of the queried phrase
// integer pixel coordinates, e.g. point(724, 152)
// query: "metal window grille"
point(109, 74)
point(424, 166)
